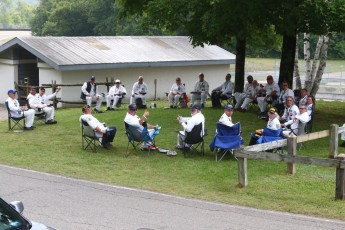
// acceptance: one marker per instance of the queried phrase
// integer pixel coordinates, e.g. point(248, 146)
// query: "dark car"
point(12, 219)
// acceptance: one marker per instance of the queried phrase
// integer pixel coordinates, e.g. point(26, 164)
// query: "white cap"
point(117, 81)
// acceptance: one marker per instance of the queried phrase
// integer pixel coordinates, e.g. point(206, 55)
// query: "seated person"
point(310, 106)
point(224, 91)
point(39, 102)
point(251, 95)
point(176, 91)
point(303, 97)
point(284, 93)
point(200, 92)
point(90, 94)
point(342, 137)
point(292, 125)
point(247, 92)
point(18, 111)
point(188, 124)
point(139, 91)
point(226, 119)
point(140, 122)
point(272, 124)
point(271, 90)
point(290, 111)
point(105, 134)
point(116, 93)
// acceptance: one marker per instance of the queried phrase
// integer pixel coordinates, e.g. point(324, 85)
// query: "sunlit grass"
point(57, 149)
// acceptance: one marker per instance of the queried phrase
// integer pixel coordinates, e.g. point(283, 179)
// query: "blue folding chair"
point(226, 140)
point(269, 135)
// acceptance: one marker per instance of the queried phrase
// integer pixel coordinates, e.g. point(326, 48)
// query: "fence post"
point(242, 172)
point(333, 141)
point(292, 146)
point(340, 181)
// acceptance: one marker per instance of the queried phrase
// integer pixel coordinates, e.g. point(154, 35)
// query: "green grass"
point(270, 64)
point(57, 149)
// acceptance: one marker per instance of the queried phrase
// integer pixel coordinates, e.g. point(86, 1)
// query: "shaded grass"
point(57, 149)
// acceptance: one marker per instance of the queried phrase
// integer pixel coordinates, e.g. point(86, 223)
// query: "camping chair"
point(135, 137)
point(15, 120)
point(89, 137)
point(269, 135)
point(301, 131)
point(40, 115)
point(194, 138)
point(226, 140)
point(309, 125)
point(228, 101)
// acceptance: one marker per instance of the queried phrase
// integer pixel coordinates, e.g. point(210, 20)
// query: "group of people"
point(36, 104)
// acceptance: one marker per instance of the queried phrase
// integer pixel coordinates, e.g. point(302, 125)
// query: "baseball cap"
point(196, 107)
point(117, 81)
point(11, 91)
point(272, 110)
point(228, 107)
point(132, 107)
point(92, 78)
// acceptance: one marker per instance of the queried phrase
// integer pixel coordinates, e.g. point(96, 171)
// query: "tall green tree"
point(15, 14)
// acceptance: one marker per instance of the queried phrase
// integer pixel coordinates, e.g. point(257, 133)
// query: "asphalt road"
point(66, 203)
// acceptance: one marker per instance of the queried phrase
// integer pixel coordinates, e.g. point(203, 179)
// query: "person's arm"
point(123, 90)
point(83, 89)
point(144, 117)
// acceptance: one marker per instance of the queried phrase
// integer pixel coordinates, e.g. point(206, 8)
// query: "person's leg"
point(143, 98)
point(116, 99)
point(239, 97)
point(108, 100)
point(88, 100)
point(50, 112)
point(245, 103)
point(110, 134)
point(176, 99)
point(180, 139)
point(215, 99)
point(131, 100)
point(262, 104)
point(171, 99)
point(29, 117)
point(203, 97)
point(98, 99)
point(193, 98)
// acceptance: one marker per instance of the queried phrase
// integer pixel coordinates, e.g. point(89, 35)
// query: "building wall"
point(8, 75)
point(165, 77)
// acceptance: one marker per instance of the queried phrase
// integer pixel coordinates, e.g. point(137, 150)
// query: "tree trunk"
point(315, 61)
point(296, 70)
point(306, 42)
point(240, 63)
point(287, 59)
point(322, 66)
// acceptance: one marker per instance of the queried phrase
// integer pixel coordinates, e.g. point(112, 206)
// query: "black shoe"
point(202, 105)
point(175, 107)
point(342, 144)
point(98, 111)
point(28, 128)
point(51, 122)
point(112, 109)
point(108, 108)
point(171, 106)
point(107, 145)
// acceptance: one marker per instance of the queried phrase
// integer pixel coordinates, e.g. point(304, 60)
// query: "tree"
point(15, 14)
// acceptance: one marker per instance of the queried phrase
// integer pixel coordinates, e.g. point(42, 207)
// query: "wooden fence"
point(258, 152)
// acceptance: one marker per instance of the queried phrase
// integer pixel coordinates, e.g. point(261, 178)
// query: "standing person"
point(107, 134)
point(226, 119)
point(247, 92)
point(189, 123)
point(116, 93)
point(139, 91)
point(18, 111)
point(39, 102)
point(89, 93)
point(176, 91)
point(272, 90)
point(140, 122)
point(284, 93)
point(222, 92)
point(200, 92)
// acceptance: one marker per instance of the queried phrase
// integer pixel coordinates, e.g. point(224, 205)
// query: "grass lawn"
point(57, 149)
point(264, 64)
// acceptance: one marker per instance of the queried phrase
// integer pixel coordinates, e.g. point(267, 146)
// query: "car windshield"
point(10, 218)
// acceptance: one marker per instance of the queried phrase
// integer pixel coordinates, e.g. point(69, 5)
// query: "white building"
point(72, 60)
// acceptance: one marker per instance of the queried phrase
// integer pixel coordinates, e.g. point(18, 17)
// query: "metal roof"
point(80, 53)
